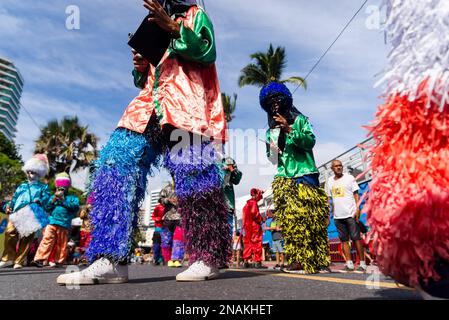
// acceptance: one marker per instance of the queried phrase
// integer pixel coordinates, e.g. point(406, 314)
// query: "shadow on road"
point(234, 274)
point(229, 274)
point(27, 272)
point(394, 294)
point(152, 280)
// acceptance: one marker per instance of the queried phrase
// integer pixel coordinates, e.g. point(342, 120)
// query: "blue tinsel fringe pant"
point(119, 185)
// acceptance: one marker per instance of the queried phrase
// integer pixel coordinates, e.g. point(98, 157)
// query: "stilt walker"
point(408, 205)
point(301, 205)
point(180, 97)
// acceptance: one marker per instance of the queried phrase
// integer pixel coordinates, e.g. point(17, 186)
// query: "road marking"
point(329, 279)
point(345, 281)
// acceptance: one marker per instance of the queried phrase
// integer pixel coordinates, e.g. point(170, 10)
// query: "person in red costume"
point(158, 214)
point(252, 228)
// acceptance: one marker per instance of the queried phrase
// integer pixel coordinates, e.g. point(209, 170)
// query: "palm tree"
point(67, 144)
point(267, 68)
point(229, 105)
point(9, 148)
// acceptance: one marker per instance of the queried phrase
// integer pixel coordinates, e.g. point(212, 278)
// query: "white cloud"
point(325, 152)
point(9, 24)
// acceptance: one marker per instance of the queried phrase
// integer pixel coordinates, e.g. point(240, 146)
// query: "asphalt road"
point(158, 283)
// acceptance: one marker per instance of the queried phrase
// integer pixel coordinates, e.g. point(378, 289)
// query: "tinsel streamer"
point(206, 230)
point(417, 31)
point(302, 212)
point(409, 195)
point(153, 157)
point(194, 169)
point(408, 205)
point(118, 186)
point(198, 186)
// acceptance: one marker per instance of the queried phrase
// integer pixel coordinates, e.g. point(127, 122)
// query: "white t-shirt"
point(342, 193)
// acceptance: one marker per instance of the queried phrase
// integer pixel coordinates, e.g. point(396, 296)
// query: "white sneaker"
point(18, 266)
point(51, 264)
point(5, 264)
point(101, 271)
point(198, 271)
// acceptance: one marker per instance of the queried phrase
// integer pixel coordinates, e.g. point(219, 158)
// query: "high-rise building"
point(11, 84)
point(145, 223)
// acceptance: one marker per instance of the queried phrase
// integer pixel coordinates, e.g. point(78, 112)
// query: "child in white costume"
point(26, 214)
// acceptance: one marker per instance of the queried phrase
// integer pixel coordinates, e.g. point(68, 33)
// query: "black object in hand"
point(151, 41)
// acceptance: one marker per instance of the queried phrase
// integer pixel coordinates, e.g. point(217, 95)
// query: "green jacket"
point(27, 193)
point(228, 188)
point(62, 212)
point(196, 43)
point(297, 158)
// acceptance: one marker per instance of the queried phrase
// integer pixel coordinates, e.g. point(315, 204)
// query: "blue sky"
point(87, 72)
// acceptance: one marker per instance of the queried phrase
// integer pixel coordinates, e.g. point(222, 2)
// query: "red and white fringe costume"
point(408, 205)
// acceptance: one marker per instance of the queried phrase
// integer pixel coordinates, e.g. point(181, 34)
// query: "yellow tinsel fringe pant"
point(302, 212)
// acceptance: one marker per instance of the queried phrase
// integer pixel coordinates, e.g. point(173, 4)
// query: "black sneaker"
point(158, 262)
point(37, 264)
point(294, 267)
point(277, 267)
point(259, 265)
point(325, 270)
point(246, 265)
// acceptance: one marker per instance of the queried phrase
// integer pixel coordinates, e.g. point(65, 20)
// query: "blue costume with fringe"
point(119, 184)
point(119, 180)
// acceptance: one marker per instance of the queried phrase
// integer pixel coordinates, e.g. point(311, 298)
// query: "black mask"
point(289, 112)
point(177, 6)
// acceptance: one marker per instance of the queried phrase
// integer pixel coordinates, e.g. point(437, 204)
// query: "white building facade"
point(11, 85)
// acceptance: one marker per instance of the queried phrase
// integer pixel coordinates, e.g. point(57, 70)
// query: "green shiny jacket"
point(297, 158)
point(196, 45)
